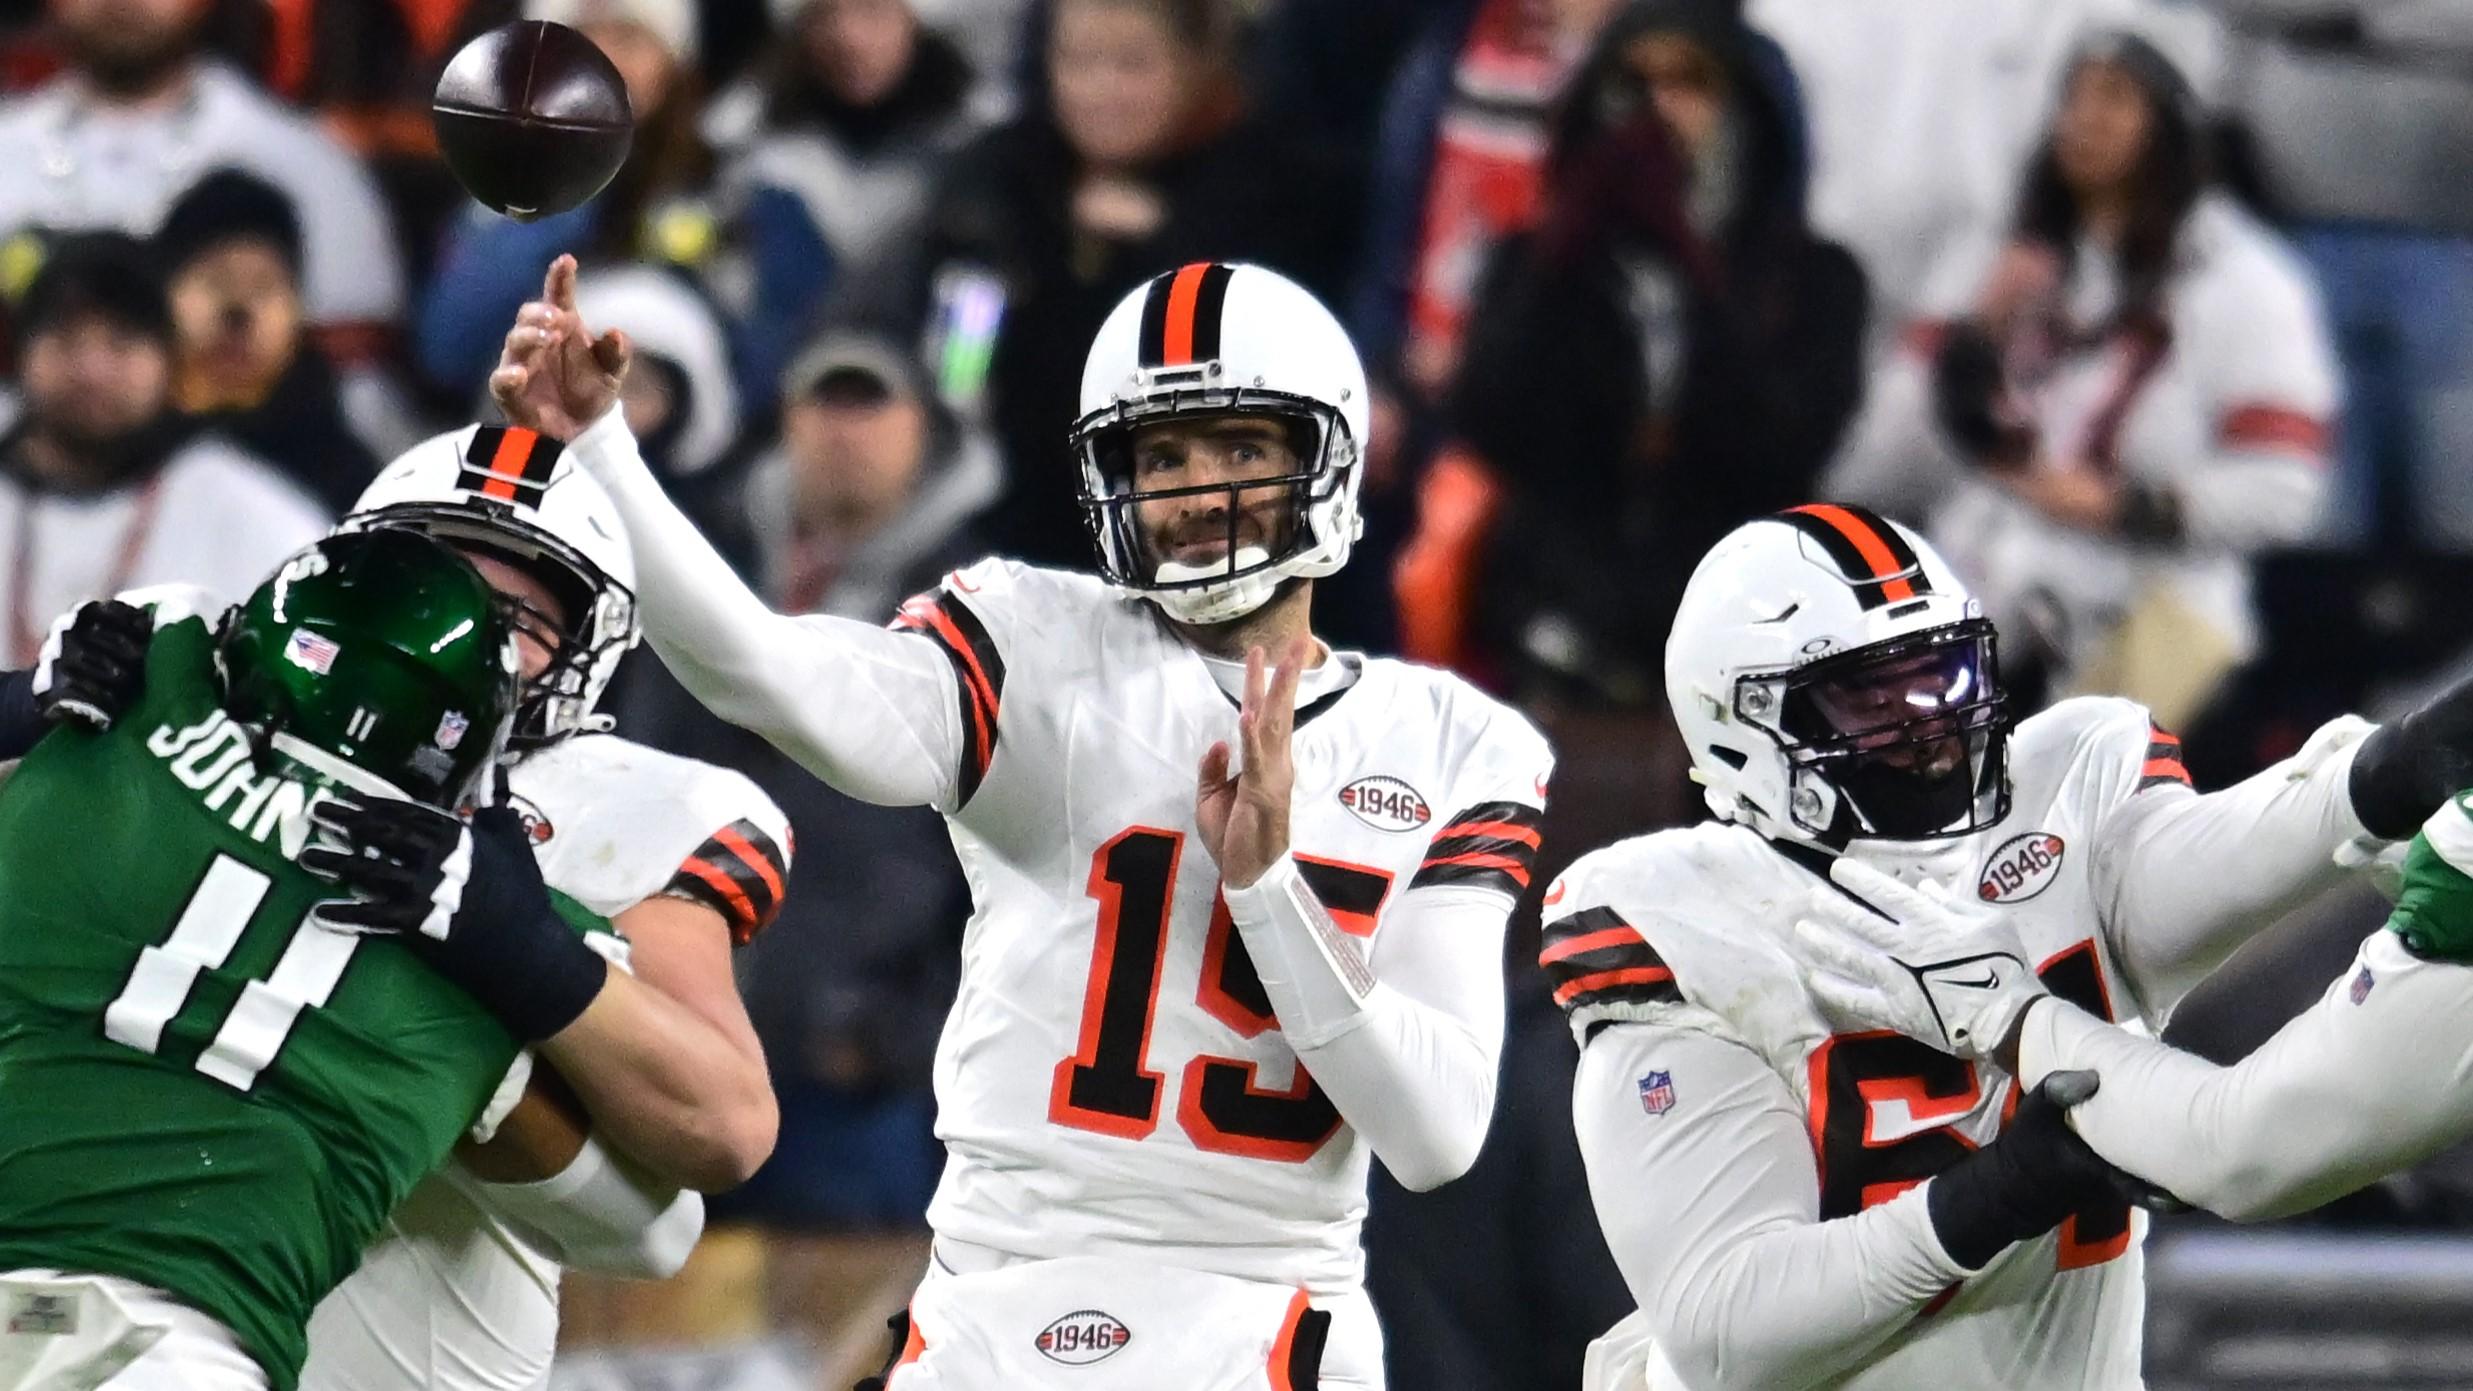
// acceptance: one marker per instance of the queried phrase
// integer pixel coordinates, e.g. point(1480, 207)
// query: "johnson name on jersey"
point(1112, 1077)
point(1692, 930)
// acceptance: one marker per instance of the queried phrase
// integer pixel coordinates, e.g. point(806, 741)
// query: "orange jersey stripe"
point(2165, 768)
point(982, 693)
point(756, 859)
point(1505, 863)
point(1589, 942)
point(1525, 834)
point(1604, 980)
point(721, 883)
point(1177, 347)
point(1283, 1351)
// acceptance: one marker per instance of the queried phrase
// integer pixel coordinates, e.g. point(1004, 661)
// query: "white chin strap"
point(1216, 603)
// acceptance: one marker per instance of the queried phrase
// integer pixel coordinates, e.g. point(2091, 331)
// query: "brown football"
point(533, 118)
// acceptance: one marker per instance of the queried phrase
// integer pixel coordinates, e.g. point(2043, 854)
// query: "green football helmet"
point(383, 649)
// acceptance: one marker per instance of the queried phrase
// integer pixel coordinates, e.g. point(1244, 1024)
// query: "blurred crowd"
point(2157, 314)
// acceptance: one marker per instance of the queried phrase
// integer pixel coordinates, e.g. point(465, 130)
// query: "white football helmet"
point(1210, 339)
point(1834, 679)
point(513, 494)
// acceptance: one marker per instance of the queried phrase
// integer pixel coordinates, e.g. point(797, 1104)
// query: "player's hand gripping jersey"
point(461, 1290)
point(1758, 1167)
point(205, 1092)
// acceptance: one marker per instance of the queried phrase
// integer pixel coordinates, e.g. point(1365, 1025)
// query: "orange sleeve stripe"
point(1606, 980)
point(2165, 768)
point(2260, 425)
point(721, 883)
point(926, 614)
point(2157, 734)
point(1517, 869)
point(914, 1346)
point(1589, 942)
point(1506, 830)
point(756, 859)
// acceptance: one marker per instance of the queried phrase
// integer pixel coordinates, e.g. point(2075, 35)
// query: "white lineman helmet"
point(513, 494)
point(1217, 338)
point(1835, 680)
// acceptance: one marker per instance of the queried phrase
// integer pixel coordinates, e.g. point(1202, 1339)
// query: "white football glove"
point(1937, 971)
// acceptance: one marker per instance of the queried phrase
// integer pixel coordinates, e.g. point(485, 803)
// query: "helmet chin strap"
point(1216, 603)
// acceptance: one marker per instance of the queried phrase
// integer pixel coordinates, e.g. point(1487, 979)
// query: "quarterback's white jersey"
point(1111, 1075)
point(454, 1295)
point(1758, 1171)
point(1112, 1080)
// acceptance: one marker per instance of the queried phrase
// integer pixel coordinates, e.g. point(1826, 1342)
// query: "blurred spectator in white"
point(232, 247)
point(1924, 110)
point(868, 497)
point(2134, 392)
point(2361, 113)
point(830, 149)
point(1669, 352)
point(654, 210)
point(680, 398)
point(103, 487)
point(1150, 157)
point(140, 116)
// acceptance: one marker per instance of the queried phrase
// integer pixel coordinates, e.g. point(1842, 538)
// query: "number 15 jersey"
point(1111, 1078)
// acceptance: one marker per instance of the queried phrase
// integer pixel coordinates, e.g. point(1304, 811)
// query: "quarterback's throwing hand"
point(1933, 970)
point(1243, 811)
point(555, 375)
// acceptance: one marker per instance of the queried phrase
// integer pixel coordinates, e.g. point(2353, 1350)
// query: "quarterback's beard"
point(126, 61)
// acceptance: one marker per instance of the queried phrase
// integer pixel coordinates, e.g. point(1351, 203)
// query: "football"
point(532, 118)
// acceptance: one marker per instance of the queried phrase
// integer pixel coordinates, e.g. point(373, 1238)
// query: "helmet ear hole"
point(1732, 758)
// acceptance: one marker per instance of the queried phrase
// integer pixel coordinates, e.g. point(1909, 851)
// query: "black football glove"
point(93, 666)
point(467, 899)
point(2029, 1180)
point(1971, 399)
point(2409, 767)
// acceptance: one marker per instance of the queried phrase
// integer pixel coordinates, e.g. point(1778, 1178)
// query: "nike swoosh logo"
point(1990, 980)
point(1555, 894)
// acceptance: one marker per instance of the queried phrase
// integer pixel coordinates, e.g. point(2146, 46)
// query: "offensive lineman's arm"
point(2182, 879)
point(1710, 1209)
point(873, 713)
point(2376, 1076)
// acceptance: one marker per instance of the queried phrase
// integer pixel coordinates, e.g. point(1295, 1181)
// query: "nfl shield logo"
point(310, 652)
point(1657, 1093)
point(451, 727)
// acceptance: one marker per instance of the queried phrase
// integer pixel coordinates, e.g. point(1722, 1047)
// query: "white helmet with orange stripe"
point(1835, 680)
point(513, 495)
point(1234, 342)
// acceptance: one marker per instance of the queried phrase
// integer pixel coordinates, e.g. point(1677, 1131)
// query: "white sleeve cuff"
point(1316, 976)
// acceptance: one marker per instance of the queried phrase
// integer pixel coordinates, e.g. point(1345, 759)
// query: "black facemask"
point(1911, 733)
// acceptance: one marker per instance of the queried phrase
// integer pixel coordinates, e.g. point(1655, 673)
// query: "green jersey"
point(200, 1091)
point(2434, 911)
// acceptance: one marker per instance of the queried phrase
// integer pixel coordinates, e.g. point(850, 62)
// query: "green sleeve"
point(2434, 914)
